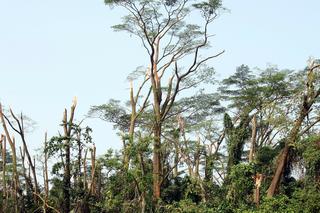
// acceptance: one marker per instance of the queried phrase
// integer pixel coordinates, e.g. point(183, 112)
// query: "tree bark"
point(256, 194)
point(253, 139)
point(67, 125)
point(46, 176)
point(4, 161)
point(20, 131)
point(66, 174)
point(308, 100)
point(157, 163)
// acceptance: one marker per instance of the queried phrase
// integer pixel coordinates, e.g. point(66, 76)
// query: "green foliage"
point(276, 204)
point(241, 184)
point(236, 137)
point(264, 159)
point(310, 149)
point(306, 200)
point(186, 206)
point(112, 112)
point(224, 181)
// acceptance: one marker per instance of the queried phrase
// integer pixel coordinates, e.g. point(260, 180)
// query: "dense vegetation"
point(251, 144)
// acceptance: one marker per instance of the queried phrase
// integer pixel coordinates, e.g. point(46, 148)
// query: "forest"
point(190, 142)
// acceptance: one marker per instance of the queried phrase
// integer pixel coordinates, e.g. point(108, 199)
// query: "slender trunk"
point(33, 169)
point(99, 182)
point(208, 170)
point(156, 163)
point(253, 139)
point(143, 202)
point(46, 178)
point(66, 178)
point(85, 170)
point(32, 166)
point(14, 157)
point(176, 159)
point(93, 170)
point(143, 193)
point(15, 173)
point(78, 172)
point(4, 160)
point(197, 159)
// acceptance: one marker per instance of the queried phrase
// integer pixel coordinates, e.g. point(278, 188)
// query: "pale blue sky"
point(51, 51)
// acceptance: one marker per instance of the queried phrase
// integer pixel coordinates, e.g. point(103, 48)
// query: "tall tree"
point(170, 44)
point(67, 127)
point(309, 98)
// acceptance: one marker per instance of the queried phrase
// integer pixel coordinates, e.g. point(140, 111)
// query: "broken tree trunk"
point(67, 126)
point(309, 98)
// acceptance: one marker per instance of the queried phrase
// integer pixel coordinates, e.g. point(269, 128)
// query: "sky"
point(51, 51)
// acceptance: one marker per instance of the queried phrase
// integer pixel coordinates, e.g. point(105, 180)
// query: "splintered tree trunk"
point(258, 177)
point(67, 125)
point(256, 194)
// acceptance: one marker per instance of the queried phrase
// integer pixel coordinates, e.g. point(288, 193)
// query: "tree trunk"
point(157, 163)
point(15, 173)
point(85, 184)
point(67, 125)
point(282, 160)
point(93, 171)
point(143, 193)
point(253, 139)
point(176, 159)
point(157, 96)
point(283, 157)
point(197, 159)
point(20, 124)
point(66, 179)
point(4, 160)
point(256, 192)
point(46, 176)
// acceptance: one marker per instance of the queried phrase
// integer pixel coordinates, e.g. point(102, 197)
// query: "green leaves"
point(112, 112)
point(241, 184)
point(236, 137)
point(209, 7)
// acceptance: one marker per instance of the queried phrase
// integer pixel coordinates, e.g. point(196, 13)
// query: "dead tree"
point(21, 132)
point(67, 127)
